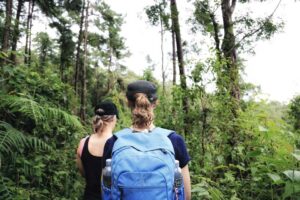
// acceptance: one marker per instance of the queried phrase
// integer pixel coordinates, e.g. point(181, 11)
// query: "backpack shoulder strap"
point(157, 139)
point(123, 132)
point(163, 131)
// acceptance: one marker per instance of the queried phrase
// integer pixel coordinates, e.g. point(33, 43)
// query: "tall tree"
point(176, 29)
point(157, 15)
point(44, 47)
point(227, 45)
point(84, 66)
point(173, 54)
point(7, 27)
point(113, 46)
point(16, 33)
point(27, 58)
point(66, 46)
point(78, 49)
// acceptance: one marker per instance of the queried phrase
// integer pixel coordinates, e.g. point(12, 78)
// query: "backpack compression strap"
point(156, 139)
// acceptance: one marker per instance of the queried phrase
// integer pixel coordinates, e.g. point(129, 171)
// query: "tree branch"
point(233, 4)
point(216, 31)
point(259, 28)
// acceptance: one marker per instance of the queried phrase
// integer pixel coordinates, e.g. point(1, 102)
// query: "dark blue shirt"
point(181, 153)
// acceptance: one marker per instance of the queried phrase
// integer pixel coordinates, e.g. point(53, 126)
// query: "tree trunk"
point(175, 25)
point(27, 58)
point(62, 66)
point(174, 56)
point(6, 33)
point(27, 31)
point(84, 65)
point(203, 134)
point(216, 35)
point(78, 49)
point(110, 80)
point(16, 34)
point(30, 28)
point(162, 56)
point(63, 58)
point(229, 52)
point(231, 71)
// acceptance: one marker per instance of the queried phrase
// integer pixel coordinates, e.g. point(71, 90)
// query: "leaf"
point(254, 153)
point(216, 194)
point(12, 139)
point(293, 175)
point(200, 191)
point(275, 177)
point(296, 154)
point(262, 129)
point(291, 190)
point(4, 193)
point(41, 114)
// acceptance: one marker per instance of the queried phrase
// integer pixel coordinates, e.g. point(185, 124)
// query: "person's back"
point(90, 150)
point(142, 98)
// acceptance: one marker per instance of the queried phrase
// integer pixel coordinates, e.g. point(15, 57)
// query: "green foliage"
point(40, 114)
point(157, 14)
point(4, 192)
point(44, 46)
point(294, 112)
point(39, 133)
point(45, 86)
point(114, 46)
point(11, 140)
point(248, 28)
point(37, 136)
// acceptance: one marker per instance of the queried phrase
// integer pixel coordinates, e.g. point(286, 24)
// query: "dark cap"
point(141, 86)
point(106, 108)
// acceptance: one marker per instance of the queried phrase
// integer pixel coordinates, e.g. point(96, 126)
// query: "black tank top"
point(93, 169)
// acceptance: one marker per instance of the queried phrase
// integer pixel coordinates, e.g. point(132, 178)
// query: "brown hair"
point(99, 122)
point(142, 111)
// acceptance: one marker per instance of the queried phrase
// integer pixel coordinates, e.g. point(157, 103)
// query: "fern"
point(4, 193)
point(39, 113)
point(11, 139)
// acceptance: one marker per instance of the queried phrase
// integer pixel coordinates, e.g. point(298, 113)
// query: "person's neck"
point(148, 128)
point(106, 132)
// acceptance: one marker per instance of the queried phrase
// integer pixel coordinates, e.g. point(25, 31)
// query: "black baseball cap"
point(144, 87)
point(106, 108)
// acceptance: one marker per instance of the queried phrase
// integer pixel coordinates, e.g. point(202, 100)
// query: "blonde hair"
point(99, 122)
point(142, 111)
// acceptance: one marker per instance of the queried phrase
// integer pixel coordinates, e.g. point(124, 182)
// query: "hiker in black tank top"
point(91, 165)
point(90, 149)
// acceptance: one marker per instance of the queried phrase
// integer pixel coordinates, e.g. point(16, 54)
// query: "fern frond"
point(12, 139)
point(39, 113)
point(4, 193)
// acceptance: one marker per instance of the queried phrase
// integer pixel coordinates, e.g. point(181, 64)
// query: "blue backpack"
point(143, 166)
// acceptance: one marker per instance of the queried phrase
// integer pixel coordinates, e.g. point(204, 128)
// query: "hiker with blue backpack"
point(145, 162)
point(90, 149)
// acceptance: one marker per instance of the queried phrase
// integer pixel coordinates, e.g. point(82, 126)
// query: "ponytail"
point(142, 111)
point(99, 122)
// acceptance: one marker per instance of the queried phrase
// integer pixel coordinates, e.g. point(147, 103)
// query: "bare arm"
point(79, 165)
point(187, 182)
point(78, 157)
